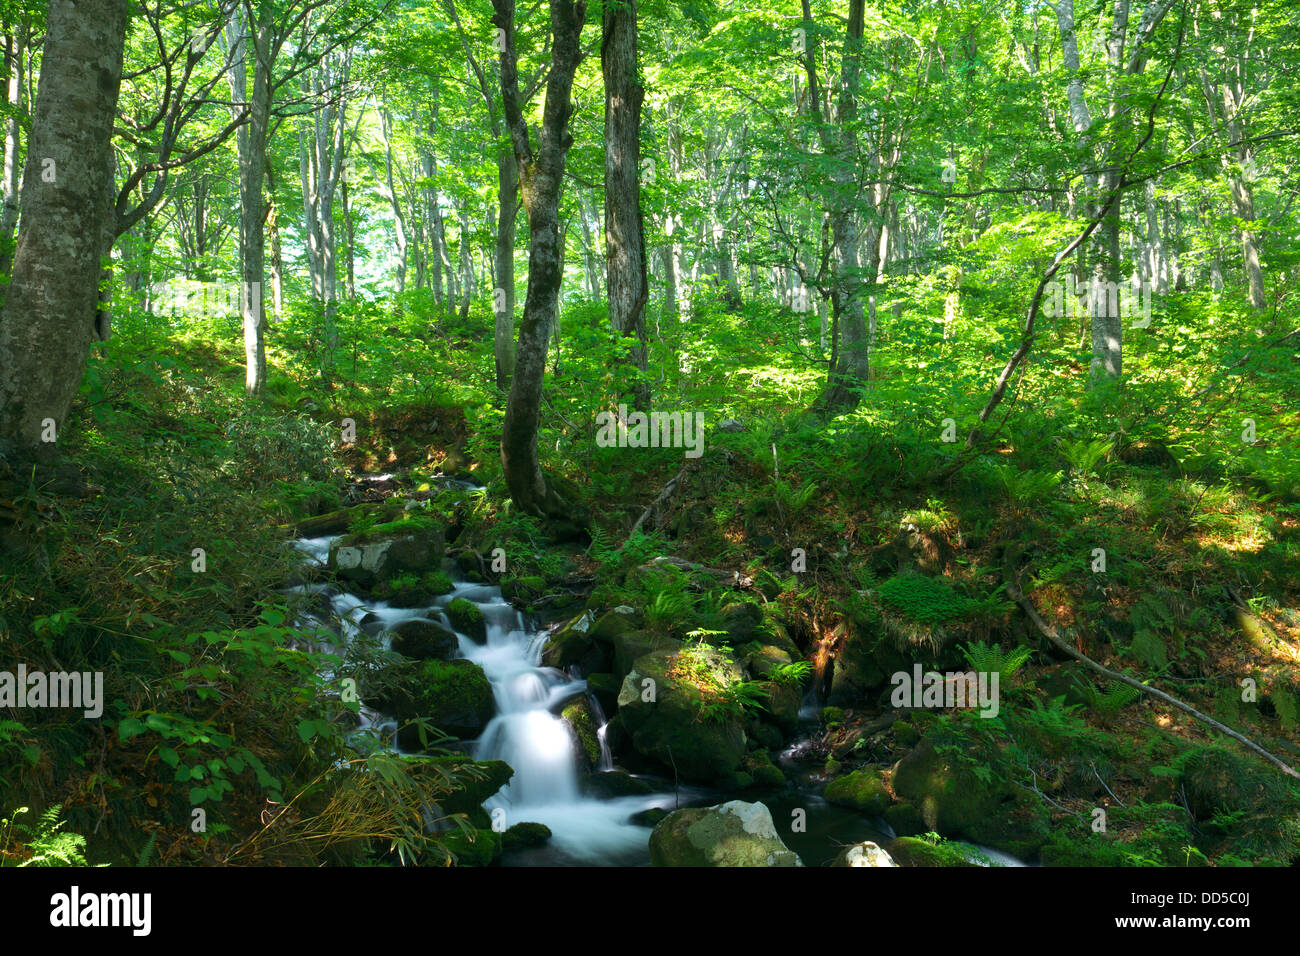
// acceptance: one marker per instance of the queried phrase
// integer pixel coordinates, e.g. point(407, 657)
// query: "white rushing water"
point(528, 734)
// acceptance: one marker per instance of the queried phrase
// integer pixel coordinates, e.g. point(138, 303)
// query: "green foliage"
point(43, 843)
point(990, 659)
point(925, 599)
point(794, 673)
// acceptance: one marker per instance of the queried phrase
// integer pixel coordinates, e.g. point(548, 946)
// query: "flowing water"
point(528, 734)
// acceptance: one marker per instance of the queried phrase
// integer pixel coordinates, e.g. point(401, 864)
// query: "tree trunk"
point(541, 175)
point(15, 54)
point(47, 321)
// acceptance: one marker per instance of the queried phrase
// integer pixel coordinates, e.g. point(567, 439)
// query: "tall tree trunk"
point(541, 175)
point(15, 58)
point(254, 43)
point(47, 322)
point(503, 263)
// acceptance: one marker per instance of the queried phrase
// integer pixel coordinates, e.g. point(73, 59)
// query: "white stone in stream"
point(755, 818)
point(624, 609)
point(864, 854)
point(583, 624)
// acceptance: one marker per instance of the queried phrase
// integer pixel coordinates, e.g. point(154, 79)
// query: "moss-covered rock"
point(467, 617)
point(905, 735)
point(454, 696)
point(605, 687)
point(476, 781)
point(650, 817)
point(759, 660)
point(945, 789)
point(915, 851)
point(382, 553)
point(765, 774)
point(524, 835)
point(424, 640)
point(632, 645)
point(660, 707)
point(905, 820)
point(862, 790)
point(524, 589)
point(577, 714)
point(730, 834)
point(473, 848)
point(1085, 849)
point(742, 621)
point(783, 702)
point(612, 623)
point(574, 646)
point(1020, 829)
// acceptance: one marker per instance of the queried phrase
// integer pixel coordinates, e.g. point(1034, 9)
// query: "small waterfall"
point(525, 733)
point(602, 726)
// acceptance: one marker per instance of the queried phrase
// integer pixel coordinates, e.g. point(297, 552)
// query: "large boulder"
point(660, 708)
point(951, 798)
point(382, 553)
point(862, 790)
point(423, 640)
point(475, 781)
point(574, 645)
point(631, 645)
point(863, 854)
point(730, 834)
point(453, 696)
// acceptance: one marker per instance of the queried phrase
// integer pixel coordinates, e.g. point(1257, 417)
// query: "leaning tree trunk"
point(541, 175)
point(49, 313)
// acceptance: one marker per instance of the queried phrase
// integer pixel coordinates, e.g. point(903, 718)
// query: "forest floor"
point(1187, 578)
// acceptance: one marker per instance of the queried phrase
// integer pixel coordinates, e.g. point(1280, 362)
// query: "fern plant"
point(42, 844)
point(991, 658)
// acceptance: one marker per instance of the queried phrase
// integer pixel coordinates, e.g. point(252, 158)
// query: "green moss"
point(454, 696)
point(863, 790)
point(523, 835)
point(918, 851)
point(578, 716)
point(474, 848)
point(925, 600)
point(467, 617)
point(436, 582)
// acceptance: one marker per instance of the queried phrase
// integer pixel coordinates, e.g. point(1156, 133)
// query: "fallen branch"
point(664, 495)
point(718, 574)
point(1014, 592)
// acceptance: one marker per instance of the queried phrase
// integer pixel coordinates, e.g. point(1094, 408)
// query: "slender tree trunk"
point(541, 174)
point(48, 317)
point(15, 58)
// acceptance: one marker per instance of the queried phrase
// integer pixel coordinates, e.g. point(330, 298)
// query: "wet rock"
point(730, 834)
point(862, 790)
point(379, 555)
point(613, 783)
point(454, 696)
point(863, 854)
point(661, 710)
point(948, 794)
point(422, 640)
point(582, 722)
point(467, 617)
point(521, 836)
